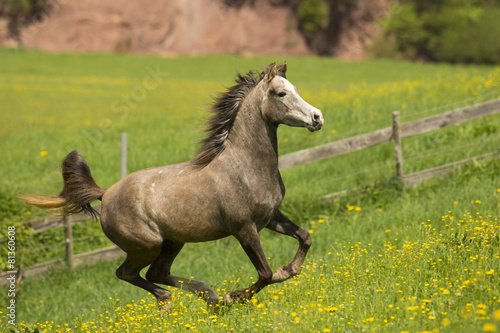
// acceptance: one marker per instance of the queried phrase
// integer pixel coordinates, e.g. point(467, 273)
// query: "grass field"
point(383, 259)
point(428, 261)
point(52, 104)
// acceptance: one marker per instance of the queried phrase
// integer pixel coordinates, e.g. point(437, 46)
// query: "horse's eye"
point(282, 94)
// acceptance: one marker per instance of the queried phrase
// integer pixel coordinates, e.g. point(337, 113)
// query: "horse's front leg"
point(283, 225)
point(250, 241)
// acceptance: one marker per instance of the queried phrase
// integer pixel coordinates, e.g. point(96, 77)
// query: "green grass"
point(56, 103)
point(53, 103)
point(427, 260)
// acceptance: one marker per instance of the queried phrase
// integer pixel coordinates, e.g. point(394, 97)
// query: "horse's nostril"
point(316, 116)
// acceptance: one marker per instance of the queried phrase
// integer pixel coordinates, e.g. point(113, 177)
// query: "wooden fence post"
point(396, 130)
point(69, 241)
point(123, 163)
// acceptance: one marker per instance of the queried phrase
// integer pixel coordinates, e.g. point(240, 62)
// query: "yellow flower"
point(44, 153)
point(489, 327)
point(326, 330)
point(445, 322)
point(496, 314)
point(478, 201)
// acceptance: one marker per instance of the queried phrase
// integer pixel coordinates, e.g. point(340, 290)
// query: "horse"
point(232, 187)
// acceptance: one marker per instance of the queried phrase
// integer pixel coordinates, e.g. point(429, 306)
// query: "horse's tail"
point(80, 189)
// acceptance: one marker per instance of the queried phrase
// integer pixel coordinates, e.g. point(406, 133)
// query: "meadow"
point(52, 104)
point(384, 258)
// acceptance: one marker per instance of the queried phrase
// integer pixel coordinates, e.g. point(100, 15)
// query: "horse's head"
point(283, 105)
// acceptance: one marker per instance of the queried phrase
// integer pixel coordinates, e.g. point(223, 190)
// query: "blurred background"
point(461, 31)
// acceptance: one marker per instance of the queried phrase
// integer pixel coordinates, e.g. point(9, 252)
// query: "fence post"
point(69, 241)
point(396, 132)
point(123, 163)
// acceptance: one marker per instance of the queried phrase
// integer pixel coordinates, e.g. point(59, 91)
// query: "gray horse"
point(231, 187)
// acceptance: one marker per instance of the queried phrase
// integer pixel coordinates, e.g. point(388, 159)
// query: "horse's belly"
point(188, 232)
point(188, 219)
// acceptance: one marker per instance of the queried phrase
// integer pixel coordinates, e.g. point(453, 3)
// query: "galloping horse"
point(231, 187)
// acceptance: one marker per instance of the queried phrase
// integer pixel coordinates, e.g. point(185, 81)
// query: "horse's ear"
point(271, 73)
point(281, 70)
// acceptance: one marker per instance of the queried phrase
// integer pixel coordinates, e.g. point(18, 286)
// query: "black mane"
point(224, 111)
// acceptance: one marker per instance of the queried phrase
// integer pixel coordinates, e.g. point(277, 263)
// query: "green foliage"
point(10, 206)
point(27, 9)
point(475, 42)
point(463, 31)
point(12, 214)
point(313, 14)
point(407, 25)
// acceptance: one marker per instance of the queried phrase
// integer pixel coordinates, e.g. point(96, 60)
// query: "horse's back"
point(173, 202)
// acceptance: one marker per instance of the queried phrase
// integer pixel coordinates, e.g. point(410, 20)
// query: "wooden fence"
point(394, 133)
point(72, 260)
point(383, 135)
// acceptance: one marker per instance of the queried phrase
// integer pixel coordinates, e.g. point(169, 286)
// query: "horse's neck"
point(252, 138)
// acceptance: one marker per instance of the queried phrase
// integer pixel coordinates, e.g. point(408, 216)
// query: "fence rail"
point(53, 222)
point(386, 134)
point(396, 132)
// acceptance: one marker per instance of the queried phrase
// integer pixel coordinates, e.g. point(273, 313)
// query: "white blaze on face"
point(299, 112)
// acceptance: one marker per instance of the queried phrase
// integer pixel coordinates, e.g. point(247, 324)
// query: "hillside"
point(179, 27)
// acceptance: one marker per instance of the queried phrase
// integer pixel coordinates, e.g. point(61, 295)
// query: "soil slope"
point(166, 27)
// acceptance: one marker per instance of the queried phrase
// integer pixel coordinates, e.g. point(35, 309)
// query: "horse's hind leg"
point(159, 272)
point(284, 226)
point(129, 271)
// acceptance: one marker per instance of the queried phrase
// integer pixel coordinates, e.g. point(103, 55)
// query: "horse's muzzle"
point(317, 121)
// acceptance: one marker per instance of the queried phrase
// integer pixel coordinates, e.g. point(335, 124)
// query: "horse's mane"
point(224, 111)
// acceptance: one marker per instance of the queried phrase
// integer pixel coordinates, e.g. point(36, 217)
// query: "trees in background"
point(20, 12)
point(457, 31)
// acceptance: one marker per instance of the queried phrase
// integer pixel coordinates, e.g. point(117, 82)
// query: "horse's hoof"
point(281, 274)
point(229, 298)
point(232, 297)
point(165, 307)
